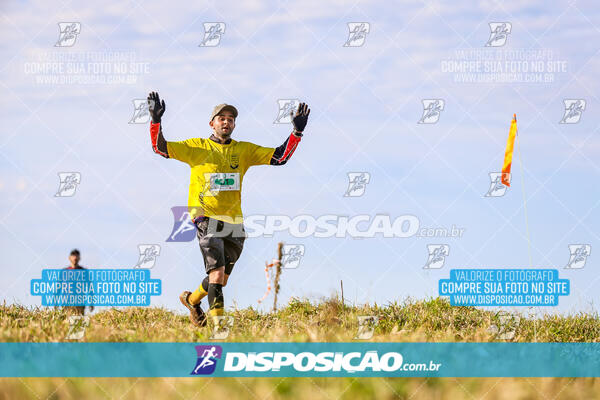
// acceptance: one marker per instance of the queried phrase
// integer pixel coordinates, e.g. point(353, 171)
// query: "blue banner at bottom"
point(366, 359)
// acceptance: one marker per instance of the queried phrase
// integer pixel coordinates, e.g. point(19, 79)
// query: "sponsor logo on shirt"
point(224, 181)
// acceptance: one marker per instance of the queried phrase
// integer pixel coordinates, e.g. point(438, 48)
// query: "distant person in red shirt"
point(74, 259)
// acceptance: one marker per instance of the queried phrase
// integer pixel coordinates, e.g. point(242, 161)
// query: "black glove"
point(301, 118)
point(156, 107)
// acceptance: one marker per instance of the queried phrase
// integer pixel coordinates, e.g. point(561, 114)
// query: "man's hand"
point(301, 118)
point(156, 107)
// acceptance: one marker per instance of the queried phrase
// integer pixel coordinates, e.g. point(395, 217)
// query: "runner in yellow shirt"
point(218, 165)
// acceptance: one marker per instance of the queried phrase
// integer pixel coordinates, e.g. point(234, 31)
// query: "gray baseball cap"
point(224, 107)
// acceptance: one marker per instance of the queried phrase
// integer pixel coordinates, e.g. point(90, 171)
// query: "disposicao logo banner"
point(299, 359)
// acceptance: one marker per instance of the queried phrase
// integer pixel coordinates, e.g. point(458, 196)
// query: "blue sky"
point(365, 104)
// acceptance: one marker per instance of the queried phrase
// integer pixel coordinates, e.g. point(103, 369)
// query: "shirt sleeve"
point(258, 155)
point(284, 152)
point(182, 151)
point(159, 144)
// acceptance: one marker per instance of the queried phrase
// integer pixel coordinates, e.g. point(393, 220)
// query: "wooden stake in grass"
point(277, 264)
point(342, 286)
point(277, 273)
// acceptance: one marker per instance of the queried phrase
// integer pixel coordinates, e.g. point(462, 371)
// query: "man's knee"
point(217, 275)
point(225, 279)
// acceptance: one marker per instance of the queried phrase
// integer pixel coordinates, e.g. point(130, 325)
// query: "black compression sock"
point(215, 299)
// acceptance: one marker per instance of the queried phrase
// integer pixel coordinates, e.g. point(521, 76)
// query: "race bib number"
point(222, 181)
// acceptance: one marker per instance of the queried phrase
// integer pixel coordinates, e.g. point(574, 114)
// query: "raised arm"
point(157, 109)
point(284, 152)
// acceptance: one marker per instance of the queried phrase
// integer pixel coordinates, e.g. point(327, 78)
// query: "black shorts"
point(221, 243)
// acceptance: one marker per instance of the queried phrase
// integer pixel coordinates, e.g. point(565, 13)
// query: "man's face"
point(74, 259)
point(223, 124)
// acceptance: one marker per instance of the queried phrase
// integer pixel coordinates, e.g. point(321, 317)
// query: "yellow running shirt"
point(217, 174)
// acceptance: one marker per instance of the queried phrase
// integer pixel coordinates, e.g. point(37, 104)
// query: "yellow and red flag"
point(508, 154)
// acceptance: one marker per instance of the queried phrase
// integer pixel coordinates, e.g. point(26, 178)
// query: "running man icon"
point(207, 359)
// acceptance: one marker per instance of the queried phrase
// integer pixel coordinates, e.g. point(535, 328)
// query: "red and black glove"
point(156, 107)
point(301, 118)
point(284, 152)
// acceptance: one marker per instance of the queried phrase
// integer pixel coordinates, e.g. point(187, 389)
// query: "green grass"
point(300, 388)
point(432, 320)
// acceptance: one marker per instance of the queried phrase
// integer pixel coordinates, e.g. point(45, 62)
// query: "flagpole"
point(526, 224)
point(524, 200)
